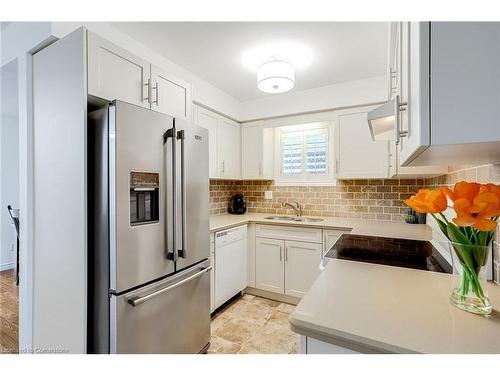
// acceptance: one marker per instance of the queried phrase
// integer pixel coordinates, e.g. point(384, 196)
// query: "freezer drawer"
point(171, 316)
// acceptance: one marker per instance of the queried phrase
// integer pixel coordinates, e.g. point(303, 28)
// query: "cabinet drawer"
point(290, 233)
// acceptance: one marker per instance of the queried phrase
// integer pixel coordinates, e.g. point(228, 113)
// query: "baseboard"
point(6, 266)
point(271, 295)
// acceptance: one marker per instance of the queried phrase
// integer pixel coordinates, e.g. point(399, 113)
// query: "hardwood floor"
point(9, 313)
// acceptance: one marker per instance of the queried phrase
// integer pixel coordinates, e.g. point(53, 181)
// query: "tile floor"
point(253, 325)
point(9, 313)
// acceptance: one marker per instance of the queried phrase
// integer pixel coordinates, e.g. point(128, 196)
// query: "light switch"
point(268, 194)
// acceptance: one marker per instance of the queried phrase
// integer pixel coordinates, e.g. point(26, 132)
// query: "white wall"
point(354, 93)
point(21, 37)
point(18, 40)
point(9, 161)
point(203, 92)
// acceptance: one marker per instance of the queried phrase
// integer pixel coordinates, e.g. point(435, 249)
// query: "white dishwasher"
point(230, 263)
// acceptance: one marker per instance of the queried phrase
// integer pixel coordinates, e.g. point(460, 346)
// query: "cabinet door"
point(170, 95)
point(269, 267)
point(301, 266)
point(251, 151)
point(357, 156)
point(209, 120)
point(229, 148)
point(114, 73)
point(416, 116)
point(394, 53)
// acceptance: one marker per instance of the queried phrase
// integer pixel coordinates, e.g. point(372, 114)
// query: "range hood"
point(384, 121)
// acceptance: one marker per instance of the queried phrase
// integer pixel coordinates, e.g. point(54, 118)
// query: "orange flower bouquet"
point(477, 208)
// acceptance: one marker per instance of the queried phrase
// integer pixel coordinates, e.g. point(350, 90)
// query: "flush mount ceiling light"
point(275, 76)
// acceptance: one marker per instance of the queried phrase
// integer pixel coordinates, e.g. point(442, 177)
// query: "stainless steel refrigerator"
point(149, 280)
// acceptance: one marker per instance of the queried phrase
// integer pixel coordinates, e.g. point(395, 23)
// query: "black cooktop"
point(420, 255)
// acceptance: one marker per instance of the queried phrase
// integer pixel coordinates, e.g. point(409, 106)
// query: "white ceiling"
point(341, 51)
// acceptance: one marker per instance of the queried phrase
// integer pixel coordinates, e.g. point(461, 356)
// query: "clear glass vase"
point(469, 277)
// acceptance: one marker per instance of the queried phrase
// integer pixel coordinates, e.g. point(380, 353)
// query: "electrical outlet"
point(268, 194)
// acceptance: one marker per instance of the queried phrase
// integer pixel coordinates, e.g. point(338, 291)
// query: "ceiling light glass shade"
point(275, 77)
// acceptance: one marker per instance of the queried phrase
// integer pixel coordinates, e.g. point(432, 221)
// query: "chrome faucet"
point(296, 207)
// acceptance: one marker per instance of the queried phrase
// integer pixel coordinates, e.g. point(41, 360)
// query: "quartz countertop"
point(356, 226)
point(377, 308)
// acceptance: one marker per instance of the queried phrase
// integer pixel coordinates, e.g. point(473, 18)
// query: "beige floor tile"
point(286, 308)
point(254, 325)
point(280, 318)
point(218, 345)
point(265, 302)
point(236, 330)
point(269, 342)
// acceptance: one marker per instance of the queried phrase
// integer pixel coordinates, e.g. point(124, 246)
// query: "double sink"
point(294, 218)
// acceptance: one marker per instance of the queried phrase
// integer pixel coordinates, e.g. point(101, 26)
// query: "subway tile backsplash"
point(363, 199)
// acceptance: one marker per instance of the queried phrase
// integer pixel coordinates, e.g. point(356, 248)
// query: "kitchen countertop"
point(377, 308)
point(357, 226)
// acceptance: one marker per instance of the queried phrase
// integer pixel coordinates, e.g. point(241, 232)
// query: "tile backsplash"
point(364, 199)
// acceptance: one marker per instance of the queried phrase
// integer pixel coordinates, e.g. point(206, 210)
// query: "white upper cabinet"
point(356, 155)
point(224, 147)
point(415, 118)
point(393, 60)
point(210, 121)
point(229, 148)
point(453, 98)
point(170, 95)
point(399, 72)
point(114, 73)
point(257, 151)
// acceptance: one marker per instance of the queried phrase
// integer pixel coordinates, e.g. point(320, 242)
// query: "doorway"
point(9, 197)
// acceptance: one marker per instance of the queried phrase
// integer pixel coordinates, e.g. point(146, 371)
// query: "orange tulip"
point(479, 211)
point(464, 190)
point(429, 201)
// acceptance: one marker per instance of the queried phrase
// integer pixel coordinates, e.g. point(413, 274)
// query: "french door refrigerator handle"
point(182, 251)
point(172, 255)
point(139, 300)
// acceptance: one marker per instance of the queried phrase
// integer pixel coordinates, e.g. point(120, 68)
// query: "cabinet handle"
point(336, 165)
point(281, 256)
point(151, 93)
point(286, 253)
point(400, 107)
point(148, 96)
point(260, 169)
point(223, 166)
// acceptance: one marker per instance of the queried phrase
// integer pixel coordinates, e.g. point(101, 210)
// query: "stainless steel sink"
point(294, 218)
point(309, 219)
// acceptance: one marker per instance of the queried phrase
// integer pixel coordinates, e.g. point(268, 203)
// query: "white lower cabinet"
point(283, 265)
point(301, 266)
point(269, 265)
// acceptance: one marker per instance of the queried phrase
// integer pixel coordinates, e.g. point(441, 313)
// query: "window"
point(304, 153)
